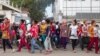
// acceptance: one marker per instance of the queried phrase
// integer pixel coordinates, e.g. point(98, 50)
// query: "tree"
point(36, 7)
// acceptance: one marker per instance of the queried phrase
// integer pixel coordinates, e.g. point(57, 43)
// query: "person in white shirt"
point(74, 37)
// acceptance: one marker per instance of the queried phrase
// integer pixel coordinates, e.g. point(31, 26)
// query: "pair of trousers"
point(0, 34)
point(6, 42)
point(23, 42)
point(80, 41)
point(53, 39)
point(74, 43)
point(34, 44)
point(43, 37)
point(47, 44)
point(64, 41)
point(93, 41)
point(85, 42)
point(57, 41)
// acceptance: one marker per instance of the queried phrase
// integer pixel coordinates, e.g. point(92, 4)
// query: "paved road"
point(55, 53)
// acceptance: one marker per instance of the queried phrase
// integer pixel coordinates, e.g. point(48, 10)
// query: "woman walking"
point(85, 37)
point(64, 34)
point(47, 42)
point(23, 41)
point(34, 31)
point(57, 33)
point(74, 35)
point(42, 28)
point(52, 34)
point(5, 34)
point(93, 34)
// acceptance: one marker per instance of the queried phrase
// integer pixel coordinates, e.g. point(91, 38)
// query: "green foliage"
point(35, 7)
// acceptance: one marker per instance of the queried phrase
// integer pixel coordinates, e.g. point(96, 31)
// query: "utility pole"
point(91, 8)
point(81, 9)
point(66, 8)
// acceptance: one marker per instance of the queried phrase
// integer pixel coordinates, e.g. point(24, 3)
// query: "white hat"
point(43, 21)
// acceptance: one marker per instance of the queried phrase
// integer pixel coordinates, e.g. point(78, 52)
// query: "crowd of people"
point(47, 35)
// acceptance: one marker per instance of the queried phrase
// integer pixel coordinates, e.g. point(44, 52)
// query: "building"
point(8, 10)
point(77, 8)
point(5, 2)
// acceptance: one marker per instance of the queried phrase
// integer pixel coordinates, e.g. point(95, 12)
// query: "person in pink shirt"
point(34, 33)
point(23, 41)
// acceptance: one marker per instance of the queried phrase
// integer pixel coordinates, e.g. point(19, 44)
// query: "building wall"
point(8, 14)
point(5, 1)
point(58, 7)
point(7, 10)
point(71, 7)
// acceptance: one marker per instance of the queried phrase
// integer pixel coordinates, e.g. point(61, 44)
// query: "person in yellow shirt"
point(43, 28)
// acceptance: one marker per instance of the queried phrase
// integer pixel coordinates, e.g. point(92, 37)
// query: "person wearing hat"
point(43, 27)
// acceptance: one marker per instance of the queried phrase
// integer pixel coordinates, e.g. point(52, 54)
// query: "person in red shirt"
point(52, 33)
point(34, 32)
point(23, 41)
point(5, 34)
